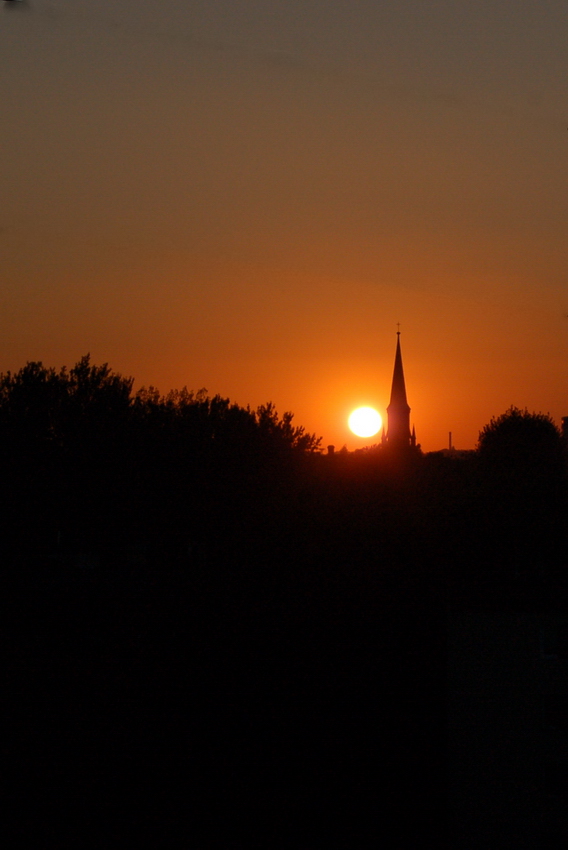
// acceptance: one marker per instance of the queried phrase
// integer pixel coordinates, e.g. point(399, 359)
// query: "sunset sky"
point(248, 195)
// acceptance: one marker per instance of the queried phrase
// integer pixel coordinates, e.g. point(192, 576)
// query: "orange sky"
point(248, 197)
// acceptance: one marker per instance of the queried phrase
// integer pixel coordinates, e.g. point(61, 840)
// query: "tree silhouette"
point(186, 435)
point(282, 431)
point(85, 424)
point(60, 424)
point(31, 408)
point(521, 446)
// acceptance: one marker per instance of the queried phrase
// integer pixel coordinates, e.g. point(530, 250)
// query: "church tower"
point(398, 411)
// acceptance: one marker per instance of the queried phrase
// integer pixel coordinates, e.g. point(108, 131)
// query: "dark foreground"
point(264, 666)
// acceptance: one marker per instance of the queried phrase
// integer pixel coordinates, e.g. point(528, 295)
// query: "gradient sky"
point(248, 195)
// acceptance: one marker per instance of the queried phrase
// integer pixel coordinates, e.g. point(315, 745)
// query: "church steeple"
point(398, 410)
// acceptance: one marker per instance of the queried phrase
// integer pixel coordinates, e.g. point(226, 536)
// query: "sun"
point(365, 422)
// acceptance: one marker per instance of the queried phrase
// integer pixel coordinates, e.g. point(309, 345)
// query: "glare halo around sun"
point(365, 422)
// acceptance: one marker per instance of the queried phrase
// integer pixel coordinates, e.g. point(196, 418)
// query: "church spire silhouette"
point(398, 411)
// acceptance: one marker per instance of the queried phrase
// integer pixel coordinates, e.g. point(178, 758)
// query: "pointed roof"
point(398, 389)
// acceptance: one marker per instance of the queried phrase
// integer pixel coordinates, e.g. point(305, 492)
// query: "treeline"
point(87, 425)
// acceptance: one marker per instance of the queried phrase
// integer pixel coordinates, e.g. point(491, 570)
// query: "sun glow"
point(365, 422)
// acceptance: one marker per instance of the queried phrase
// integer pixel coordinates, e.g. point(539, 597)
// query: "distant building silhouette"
point(398, 411)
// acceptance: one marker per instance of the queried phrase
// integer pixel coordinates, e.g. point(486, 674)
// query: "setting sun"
point(365, 422)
